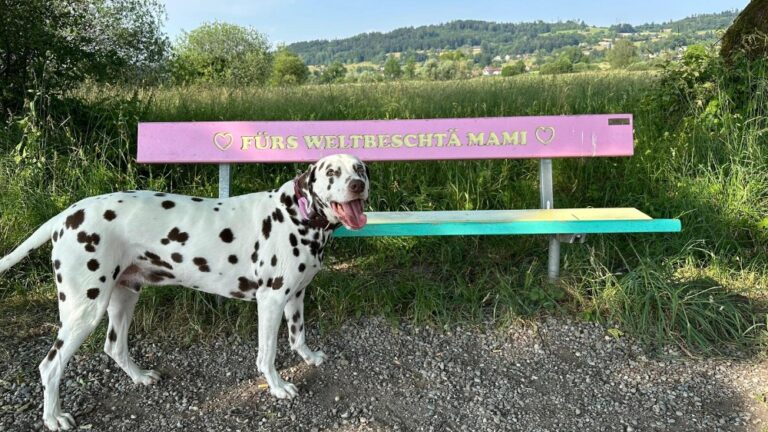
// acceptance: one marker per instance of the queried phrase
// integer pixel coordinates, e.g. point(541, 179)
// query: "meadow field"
point(699, 156)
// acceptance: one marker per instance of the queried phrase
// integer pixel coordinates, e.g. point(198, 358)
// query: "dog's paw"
point(146, 377)
point(284, 390)
point(314, 358)
point(61, 421)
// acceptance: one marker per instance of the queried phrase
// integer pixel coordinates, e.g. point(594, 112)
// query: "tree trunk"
point(748, 33)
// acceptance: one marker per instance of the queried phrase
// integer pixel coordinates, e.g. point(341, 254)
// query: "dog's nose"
point(356, 186)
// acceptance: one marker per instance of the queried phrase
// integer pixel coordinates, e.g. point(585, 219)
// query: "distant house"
point(491, 71)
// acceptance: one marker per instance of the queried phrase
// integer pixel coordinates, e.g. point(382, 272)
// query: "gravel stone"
point(553, 374)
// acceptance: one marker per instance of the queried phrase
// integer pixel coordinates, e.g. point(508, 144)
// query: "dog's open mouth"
point(350, 213)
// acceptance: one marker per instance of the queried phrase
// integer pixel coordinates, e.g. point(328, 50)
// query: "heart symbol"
point(545, 134)
point(222, 140)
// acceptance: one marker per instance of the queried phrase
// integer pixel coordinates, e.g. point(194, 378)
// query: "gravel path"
point(552, 375)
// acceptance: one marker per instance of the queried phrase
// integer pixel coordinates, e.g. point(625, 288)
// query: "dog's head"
point(337, 187)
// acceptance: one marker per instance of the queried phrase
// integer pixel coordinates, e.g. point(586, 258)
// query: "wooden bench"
point(542, 137)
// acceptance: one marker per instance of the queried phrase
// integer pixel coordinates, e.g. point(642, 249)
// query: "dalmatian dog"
point(264, 247)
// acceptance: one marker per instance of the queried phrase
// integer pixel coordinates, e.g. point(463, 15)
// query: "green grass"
point(702, 289)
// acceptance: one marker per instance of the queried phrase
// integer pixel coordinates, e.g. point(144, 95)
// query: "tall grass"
point(711, 173)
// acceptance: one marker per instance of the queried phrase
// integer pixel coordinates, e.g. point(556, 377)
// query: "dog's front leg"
point(270, 315)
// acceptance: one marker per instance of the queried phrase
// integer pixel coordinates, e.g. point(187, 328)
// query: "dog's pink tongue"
point(353, 214)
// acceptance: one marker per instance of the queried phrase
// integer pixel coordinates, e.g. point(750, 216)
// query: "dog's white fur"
point(254, 247)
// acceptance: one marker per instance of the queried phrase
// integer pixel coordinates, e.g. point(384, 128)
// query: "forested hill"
point(493, 38)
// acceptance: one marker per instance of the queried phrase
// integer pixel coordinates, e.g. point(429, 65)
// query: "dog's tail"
point(40, 237)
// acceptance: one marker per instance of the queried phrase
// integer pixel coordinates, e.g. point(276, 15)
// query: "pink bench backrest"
point(539, 137)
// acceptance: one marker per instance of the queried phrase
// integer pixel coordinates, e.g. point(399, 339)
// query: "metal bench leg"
point(548, 202)
point(225, 177)
point(553, 266)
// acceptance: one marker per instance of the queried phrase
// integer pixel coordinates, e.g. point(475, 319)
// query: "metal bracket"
point(571, 238)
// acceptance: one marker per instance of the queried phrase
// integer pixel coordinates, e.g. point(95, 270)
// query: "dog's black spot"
point(176, 235)
point(277, 215)
point(303, 231)
point(215, 209)
point(316, 235)
point(293, 240)
point(245, 284)
point(56, 264)
point(255, 254)
point(302, 267)
point(296, 316)
point(116, 273)
point(62, 296)
point(293, 329)
point(157, 261)
point(110, 215)
point(266, 227)
point(93, 265)
point(90, 240)
point(51, 354)
point(168, 204)
point(226, 235)
point(287, 291)
point(296, 252)
point(61, 233)
point(202, 264)
point(112, 335)
point(196, 199)
point(176, 257)
point(92, 293)
point(74, 220)
point(232, 259)
point(159, 194)
point(286, 200)
point(293, 340)
point(274, 260)
point(55, 236)
point(237, 294)
point(58, 277)
point(103, 279)
point(269, 282)
point(298, 293)
point(160, 275)
point(277, 283)
point(119, 201)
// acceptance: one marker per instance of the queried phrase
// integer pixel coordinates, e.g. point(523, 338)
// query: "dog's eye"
point(329, 172)
point(359, 170)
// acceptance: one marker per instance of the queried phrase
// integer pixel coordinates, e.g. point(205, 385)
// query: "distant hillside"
point(493, 38)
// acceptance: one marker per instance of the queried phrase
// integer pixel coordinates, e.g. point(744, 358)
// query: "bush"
point(222, 53)
point(559, 66)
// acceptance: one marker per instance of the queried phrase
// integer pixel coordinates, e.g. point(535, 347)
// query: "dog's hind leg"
point(294, 316)
point(120, 311)
point(78, 319)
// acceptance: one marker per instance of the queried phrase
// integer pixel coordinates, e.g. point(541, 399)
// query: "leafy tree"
point(410, 68)
point(623, 28)
point(622, 54)
point(514, 69)
point(748, 33)
point(52, 45)
point(222, 53)
point(288, 69)
point(392, 68)
point(559, 66)
point(334, 72)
